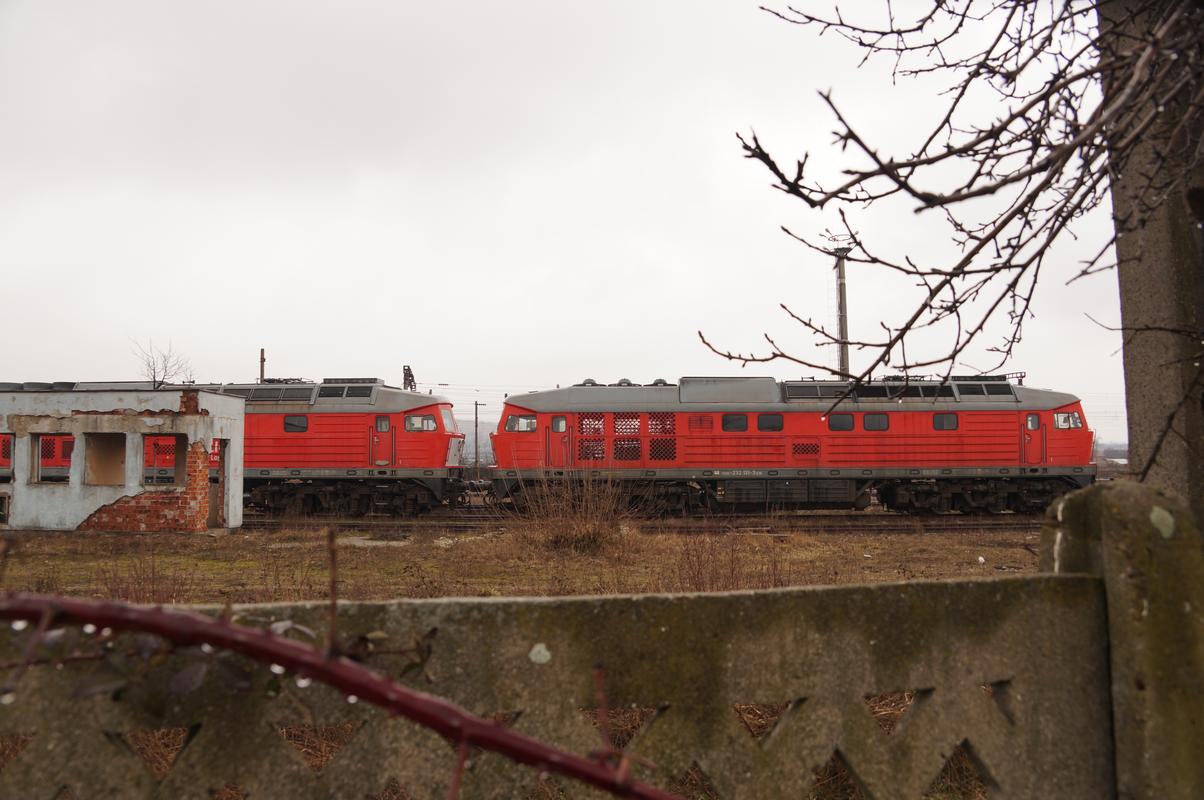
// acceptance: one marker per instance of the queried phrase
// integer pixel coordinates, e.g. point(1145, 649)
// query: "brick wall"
point(175, 508)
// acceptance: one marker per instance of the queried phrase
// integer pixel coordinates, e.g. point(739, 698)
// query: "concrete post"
point(1146, 546)
point(1160, 258)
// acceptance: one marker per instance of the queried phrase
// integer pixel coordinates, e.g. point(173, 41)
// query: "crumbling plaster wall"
point(198, 415)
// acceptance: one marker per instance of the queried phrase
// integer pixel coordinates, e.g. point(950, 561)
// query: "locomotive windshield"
point(449, 422)
point(520, 424)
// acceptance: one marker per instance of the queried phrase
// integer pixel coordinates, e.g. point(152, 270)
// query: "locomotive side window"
point(944, 422)
point(735, 422)
point(559, 425)
point(1033, 422)
point(769, 422)
point(517, 424)
point(1068, 419)
point(382, 424)
point(417, 423)
point(840, 422)
point(876, 422)
point(296, 424)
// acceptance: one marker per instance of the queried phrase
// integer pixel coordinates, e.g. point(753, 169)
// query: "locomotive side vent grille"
point(662, 450)
point(627, 449)
point(662, 422)
point(591, 449)
point(46, 447)
point(805, 448)
point(6, 446)
point(627, 423)
point(589, 424)
point(700, 423)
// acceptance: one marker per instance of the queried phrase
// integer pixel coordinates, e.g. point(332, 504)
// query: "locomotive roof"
point(363, 395)
point(768, 394)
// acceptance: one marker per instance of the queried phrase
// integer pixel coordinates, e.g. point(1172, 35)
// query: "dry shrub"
point(724, 564)
point(143, 579)
point(568, 516)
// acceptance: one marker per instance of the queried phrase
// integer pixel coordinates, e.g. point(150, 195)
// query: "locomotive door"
point(1033, 437)
point(556, 442)
point(382, 442)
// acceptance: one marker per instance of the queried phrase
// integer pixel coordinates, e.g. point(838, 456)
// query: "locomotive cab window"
point(417, 423)
point(840, 422)
point(1033, 422)
point(520, 424)
point(876, 422)
point(296, 424)
point(559, 425)
point(382, 424)
point(735, 422)
point(1067, 419)
point(769, 422)
point(944, 422)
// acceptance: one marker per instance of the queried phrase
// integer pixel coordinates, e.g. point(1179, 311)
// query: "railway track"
point(868, 522)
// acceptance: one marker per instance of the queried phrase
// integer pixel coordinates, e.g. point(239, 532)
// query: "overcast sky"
point(504, 196)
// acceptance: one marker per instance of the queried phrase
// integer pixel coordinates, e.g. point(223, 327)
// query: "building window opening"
point(47, 464)
point(164, 460)
point(104, 459)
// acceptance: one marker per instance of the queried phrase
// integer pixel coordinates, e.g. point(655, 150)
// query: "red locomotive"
point(352, 446)
point(972, 444)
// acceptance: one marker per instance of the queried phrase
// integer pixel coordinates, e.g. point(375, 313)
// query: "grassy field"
point(514, 558)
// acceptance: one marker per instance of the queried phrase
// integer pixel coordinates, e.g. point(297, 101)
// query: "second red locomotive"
point(975, 444)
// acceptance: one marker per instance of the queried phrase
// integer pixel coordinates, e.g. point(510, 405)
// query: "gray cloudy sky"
point(506, 196)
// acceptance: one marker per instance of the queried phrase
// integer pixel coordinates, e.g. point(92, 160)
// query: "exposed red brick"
point(179, 508)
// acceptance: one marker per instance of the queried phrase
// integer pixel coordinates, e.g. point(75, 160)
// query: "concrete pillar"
point(1146, 546)
point(1161, 272)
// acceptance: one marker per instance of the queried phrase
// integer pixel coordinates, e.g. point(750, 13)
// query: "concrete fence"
point(1082, 682)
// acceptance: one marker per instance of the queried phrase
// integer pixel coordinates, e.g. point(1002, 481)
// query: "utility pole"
point(842, 314)
point(262, 361)
point(476, 440)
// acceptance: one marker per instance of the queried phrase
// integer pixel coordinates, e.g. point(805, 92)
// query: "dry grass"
point(515, 558)
point(561, 550)
point(319, 744)
point(158, 747)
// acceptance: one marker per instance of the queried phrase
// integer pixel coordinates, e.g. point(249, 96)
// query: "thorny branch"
point(185, 628)
point(1077, 93)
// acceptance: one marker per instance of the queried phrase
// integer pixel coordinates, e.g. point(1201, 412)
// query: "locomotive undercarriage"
point(933, 496)
point(972, 495)
point(348, 498)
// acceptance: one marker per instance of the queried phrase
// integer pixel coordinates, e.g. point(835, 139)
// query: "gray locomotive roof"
point(301, 397)
point(767, 394)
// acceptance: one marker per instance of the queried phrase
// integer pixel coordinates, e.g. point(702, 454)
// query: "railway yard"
point(487, 554)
